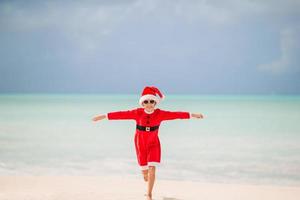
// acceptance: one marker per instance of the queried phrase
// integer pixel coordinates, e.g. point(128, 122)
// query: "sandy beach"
point(114, 188)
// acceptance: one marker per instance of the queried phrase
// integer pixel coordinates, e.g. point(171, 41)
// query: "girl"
point(148, 119)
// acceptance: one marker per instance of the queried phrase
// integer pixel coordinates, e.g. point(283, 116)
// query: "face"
point(149, 104)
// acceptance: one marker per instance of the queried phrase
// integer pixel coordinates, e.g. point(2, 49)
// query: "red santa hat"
point(151, 93)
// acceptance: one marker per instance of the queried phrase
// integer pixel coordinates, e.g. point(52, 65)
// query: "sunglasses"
point(150, 101)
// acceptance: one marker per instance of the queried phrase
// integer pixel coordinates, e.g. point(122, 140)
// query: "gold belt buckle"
point(147, 128)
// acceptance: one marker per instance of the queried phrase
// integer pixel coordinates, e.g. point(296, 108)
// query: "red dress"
point(147, 144)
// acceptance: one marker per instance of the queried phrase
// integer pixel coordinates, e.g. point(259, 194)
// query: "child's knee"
point(151, 169)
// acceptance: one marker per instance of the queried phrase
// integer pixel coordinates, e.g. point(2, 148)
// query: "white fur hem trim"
point(149, 96)
point(153, 164)
point(144, 167)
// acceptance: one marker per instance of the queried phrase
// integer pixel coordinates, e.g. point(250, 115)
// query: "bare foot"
point(148, 196)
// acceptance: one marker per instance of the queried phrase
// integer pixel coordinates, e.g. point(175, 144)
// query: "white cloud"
point(99, 17)
point(84, 23)
point(99, 14)
point(217, 12)
point(290, 51)
point(87, 23)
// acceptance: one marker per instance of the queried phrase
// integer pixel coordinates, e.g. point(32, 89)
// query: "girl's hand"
point(197, 115)
point(100, 117)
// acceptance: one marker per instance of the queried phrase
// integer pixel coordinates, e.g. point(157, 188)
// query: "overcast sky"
point(180, 46)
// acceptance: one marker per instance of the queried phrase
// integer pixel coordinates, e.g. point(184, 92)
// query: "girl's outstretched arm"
point(118, 115)
point(171, 115)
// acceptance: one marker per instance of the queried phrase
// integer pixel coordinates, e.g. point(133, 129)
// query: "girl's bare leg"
point(151, 179)
point(145, 174)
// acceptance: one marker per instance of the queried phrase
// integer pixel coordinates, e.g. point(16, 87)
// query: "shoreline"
point(117, 188)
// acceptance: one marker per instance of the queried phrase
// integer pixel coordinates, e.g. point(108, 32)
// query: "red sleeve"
point(170, 115)
point(118, 115)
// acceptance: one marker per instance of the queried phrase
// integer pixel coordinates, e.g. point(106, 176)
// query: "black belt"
point(147, 128)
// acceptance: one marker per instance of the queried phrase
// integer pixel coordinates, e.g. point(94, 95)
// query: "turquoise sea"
point(242, 139)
